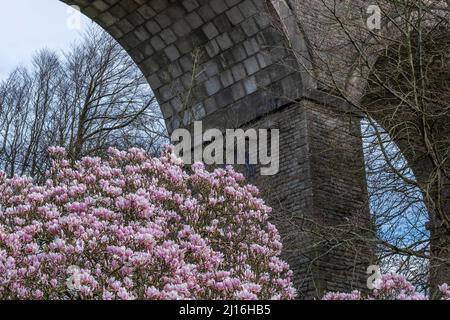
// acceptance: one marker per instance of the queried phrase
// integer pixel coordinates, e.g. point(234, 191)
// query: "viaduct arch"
point(235, 63)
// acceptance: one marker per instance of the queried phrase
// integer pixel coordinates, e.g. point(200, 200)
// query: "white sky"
point(29, 25)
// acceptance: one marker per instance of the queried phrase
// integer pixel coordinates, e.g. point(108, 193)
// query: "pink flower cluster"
point(136, 227)
point(388, 287)
point(395, 287)
point(354, 295)
point(445, 291)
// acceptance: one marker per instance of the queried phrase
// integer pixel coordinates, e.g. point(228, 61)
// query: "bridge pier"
point(236, 63)
point(320, 196)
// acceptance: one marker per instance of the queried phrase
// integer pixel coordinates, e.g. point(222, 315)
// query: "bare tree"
point(396, 78)
point(92, 98)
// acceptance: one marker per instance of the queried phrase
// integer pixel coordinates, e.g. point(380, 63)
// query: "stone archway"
point(345, 51)
point(236, 51)
point(420, 129)
point(246, 73)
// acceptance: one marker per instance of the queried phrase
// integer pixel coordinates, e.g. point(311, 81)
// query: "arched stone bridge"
point(236, 63)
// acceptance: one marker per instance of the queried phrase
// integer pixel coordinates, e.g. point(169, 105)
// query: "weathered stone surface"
point(320, 196)
point(162, 35)
point(247, 76)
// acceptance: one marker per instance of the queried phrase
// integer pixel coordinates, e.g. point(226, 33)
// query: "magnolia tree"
point(389, 287)
point(136, 227)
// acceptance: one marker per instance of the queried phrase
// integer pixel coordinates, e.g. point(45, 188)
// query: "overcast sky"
point(30, 25)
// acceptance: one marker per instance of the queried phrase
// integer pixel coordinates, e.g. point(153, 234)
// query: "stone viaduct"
point(233, 61)
point(242, 63)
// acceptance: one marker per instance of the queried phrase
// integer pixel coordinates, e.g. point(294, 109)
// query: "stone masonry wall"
point(204, 59)
point(320, 197)
point(230, 65)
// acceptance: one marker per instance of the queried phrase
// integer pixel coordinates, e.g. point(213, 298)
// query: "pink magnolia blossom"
point(355, 295)
point(388, 287)
point(445, 291)
point(136, 227)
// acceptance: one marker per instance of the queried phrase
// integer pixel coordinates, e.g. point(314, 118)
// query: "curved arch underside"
point(231, 62)
point(235, 62)
point(220, 61)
